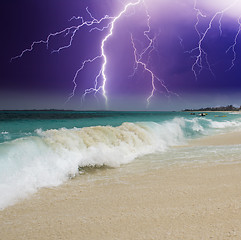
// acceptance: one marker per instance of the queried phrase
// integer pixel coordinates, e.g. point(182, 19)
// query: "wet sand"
point(176, 202)
point(233, 138)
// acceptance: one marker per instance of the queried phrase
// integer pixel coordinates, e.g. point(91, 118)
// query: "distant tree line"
point(214, 109)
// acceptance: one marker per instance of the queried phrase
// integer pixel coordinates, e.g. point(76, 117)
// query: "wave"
point(5, 135)
point(51, 157)
point(4, 132)
point(225, 125)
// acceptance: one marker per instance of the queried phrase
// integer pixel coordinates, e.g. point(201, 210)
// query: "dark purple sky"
point(43, 80)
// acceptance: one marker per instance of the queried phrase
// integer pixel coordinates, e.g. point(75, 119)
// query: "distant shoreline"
point(229, 108)
point(200, 111)
point(65, 110)
point(208, 109)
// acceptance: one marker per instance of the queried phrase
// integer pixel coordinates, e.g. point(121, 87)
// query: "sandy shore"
point(178, 202)
point(232, 138)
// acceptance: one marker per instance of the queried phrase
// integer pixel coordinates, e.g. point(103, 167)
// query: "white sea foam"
point(225, 124)
point(4, 132)
point(49, 158)
point(5, 135)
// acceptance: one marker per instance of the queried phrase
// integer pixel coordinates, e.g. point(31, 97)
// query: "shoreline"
point(182, 201)
point(194, 202)
point(222, 139)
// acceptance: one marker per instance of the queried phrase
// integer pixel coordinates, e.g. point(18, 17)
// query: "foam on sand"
point(51, 157)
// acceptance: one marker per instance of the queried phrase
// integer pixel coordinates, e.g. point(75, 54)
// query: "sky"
point(146, 54)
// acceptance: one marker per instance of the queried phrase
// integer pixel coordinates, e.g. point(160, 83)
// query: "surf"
point(51, 157)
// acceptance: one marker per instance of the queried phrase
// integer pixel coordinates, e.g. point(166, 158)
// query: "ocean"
point(47, 148)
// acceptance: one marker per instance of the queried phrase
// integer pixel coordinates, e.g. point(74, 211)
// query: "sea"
point(41, 149)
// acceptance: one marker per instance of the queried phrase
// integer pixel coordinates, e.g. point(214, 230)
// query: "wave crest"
point(49, 158)
point(112, 146)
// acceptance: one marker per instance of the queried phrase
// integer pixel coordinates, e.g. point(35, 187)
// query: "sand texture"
point(174, 202)
point(232, 138)
point(198, 202)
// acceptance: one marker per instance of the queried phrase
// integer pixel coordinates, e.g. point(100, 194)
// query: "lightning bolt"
point(233, 46)
point(138, 60)
point(202, 55)
point(71, 32)
point(102, 72)
point(67, 31)
point(107, 25)
point(181, 41)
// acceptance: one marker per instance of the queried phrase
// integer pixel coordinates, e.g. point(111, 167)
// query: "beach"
point(179, 201)
point(120, 120)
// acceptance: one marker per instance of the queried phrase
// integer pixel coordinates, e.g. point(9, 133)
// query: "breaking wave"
point(49, 158)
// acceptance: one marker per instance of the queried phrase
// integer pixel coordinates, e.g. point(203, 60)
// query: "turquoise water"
point(45, 148)
point(17, 124)
point(24, 123)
